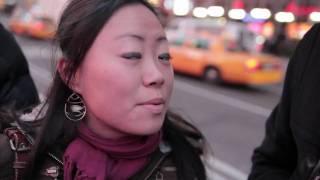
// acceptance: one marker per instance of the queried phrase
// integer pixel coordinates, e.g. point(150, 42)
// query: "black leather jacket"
point(161, 165)
point(16, 85)
point(291, 147)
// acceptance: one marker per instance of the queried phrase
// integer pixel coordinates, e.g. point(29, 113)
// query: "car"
point(24, 22)
point(218, 58)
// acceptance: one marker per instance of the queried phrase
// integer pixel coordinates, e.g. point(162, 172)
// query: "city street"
point(231, 117)
point(215, 41)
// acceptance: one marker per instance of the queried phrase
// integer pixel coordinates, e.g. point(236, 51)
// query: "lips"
point(155, 106)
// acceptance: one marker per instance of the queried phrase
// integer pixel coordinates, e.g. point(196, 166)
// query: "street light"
point(315, 16)
point(284, 17)
point(181, 7)
point(200, 12)
point(237, 14)
point(260, 13)
point(215, 11)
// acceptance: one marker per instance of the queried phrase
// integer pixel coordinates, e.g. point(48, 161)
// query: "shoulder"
point(6, 157)
point(14, 133)
point(307, 47)
point(15, 147)
point(190, 132)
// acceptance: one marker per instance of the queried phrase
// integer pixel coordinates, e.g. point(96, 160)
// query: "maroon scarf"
point(92, 157)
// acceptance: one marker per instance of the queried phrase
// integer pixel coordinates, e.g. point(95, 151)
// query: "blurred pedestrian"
point(17, 89)
point(107, 113)
point(291, 147)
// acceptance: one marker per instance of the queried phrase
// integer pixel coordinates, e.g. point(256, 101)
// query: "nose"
point(152, 74)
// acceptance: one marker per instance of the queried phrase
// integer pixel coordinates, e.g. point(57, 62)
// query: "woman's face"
point(126, 78)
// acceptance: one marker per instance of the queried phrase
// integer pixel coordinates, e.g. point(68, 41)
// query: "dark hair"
point(79, 25)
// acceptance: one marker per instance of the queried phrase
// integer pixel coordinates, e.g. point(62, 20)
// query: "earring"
point(74, 108)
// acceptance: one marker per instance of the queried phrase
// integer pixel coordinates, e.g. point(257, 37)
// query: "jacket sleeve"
point(16, 84)
point(12, 59)
point(276, 157)
point(6, 158)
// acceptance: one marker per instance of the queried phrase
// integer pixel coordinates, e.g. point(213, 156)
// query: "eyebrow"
point(140, 38)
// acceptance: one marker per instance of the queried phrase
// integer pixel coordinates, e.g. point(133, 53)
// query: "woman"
point(107, 112)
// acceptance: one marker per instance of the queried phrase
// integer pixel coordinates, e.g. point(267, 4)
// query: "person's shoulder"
point(5, 35)
point(15, 140)
point(2, 28)
point(305, 52)
point(317, 25)
point(312, 36)
point(6, 156)
point(192, 134)
point(184, 125)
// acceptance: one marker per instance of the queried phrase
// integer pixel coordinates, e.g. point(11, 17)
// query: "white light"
point(200, 12)
point(181, 7)
point(168, 4)
point(284, 17)
point(260, 40)
point(315, 16)
point(238, 14)
point(154, 2)
point(260, 13)
point(215, 11)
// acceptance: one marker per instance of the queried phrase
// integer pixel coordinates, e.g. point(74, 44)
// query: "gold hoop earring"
point(74, 108)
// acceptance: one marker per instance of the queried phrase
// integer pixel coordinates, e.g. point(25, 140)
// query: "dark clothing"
point(161, 164)
point(16, 85)
point(291, 147)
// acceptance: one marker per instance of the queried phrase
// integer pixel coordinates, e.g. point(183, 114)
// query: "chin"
point(148, 129)
point(146, 125)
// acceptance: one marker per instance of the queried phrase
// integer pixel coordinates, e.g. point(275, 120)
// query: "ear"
point(74, 81)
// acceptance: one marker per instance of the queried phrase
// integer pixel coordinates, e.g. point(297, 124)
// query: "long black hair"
point(78, 27)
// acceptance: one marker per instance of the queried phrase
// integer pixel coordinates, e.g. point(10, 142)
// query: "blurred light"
point(222, 21)
point(260, 13)
point(260, 40)
point(268, 29)
point(238, 14)
point(200, 12)
point(154, 2)
point(168, 4)
point(284, 17)
point(252, 64)
point(315, 16)
point(215, 11)
point(237, 4)
point(39, 26)
point(255, 27)
point(181, 7)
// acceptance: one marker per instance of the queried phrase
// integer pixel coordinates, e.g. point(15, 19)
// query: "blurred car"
point(25, 22)
point(219, 59)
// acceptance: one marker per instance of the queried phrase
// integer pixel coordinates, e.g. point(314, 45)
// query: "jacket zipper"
point(155, 167)
point(55, 158)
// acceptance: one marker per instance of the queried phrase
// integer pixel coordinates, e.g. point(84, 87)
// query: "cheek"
point(107, 88)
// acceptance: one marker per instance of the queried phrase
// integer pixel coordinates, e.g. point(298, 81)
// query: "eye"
point(132, 55)
point(165, 57)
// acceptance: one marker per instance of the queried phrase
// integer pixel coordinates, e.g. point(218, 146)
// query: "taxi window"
point(201, 44)
point(176, 41)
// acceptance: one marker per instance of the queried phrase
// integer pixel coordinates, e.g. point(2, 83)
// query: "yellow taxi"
point(25, 23)
point(217, 59)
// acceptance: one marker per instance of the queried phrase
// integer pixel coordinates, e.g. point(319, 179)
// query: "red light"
point(38, 25)
point(252, 65)
point(237, 4)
